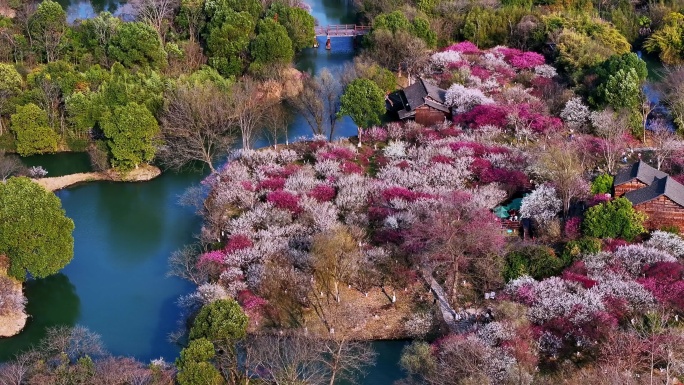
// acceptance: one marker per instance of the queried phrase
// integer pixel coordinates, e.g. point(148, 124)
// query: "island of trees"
point(310, 250)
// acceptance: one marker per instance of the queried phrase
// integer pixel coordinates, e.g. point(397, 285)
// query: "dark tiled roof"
point(418, 94)
point(640, 171)
point(437, 106)
point(435, 93)
point(659, 186)
point(403, 114)
point(415, 94)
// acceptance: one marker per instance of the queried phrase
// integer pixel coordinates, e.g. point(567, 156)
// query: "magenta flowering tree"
point(464, 47)
point(284, 200)
point(526, 60)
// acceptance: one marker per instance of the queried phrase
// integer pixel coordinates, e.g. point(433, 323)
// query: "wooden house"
point(654, 193)
point(421, 101)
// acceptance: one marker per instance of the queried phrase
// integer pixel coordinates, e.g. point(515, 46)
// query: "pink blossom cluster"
point(260, 202)
point(501, 64)
point(599, 292)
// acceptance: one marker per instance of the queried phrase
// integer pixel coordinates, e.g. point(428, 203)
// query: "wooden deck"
point(342, 30)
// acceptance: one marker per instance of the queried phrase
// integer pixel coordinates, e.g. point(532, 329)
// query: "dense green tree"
point(271, 47)
point(81, 113)
point(217, 9)
point(34, 135)
point(131, 131)
point(614, 219)
point(93, 36)
point(622, 90)
point(194, 366)
point(35, 232)
point(583, 42)
point(574, 249)
point(625, 63)
point(207, 75)
point(364, 102)
point(47, 28)
point(10, 86)
point(668, 40)
point(137, 44)
point(191, 18)
point(221, 320)
point(228, 43)
point(397, 22)
point(488, 27)
point(298, 23)
point(394, 22)
point(48, 87)
point(121, 87)
point(421, 28)
point(537, 261)
point(603, 184)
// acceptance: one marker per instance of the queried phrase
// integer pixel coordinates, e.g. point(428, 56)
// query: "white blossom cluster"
point(638, 298)
point(667, 242)
point(488, 196)
point(463, 99)
point(634, 257)
point(419, 325)
point(204, 294)
point(545, 71)
point(556, 297)
point(575, 113)
point(442, 59)
point(352, 192)
point(542, 204)
point(395, 149)
point(494, 333)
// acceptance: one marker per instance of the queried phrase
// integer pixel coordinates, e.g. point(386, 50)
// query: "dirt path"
point(143, 173)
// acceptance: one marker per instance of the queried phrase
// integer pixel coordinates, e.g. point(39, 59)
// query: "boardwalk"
point(448, 313)
point(341, 30)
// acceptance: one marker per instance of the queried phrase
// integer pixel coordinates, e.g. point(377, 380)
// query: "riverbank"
point(141, 174)
point(14, 321)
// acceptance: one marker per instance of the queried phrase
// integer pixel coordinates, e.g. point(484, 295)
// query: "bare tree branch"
point(196, 126)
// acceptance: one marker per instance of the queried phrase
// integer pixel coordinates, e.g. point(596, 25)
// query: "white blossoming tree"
point(542, 204)
point(463, 99)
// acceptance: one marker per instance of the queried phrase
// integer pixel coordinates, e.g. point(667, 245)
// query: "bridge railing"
point(342, 30)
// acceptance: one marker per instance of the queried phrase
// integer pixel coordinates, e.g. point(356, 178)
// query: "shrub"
point(574, 249)
point(572, 227)
point(535, 261)
point(614, 219)
point(603, 184)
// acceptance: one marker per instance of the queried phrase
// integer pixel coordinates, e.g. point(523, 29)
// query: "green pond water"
point(116, 285)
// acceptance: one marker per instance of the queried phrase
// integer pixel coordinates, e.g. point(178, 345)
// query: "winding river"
point(116, 284)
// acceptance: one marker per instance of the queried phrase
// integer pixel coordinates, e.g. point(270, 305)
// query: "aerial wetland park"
point(206, 192)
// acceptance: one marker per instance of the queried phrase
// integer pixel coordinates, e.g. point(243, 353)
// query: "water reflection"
point(53, 301)
point(60, 164)
point(86, 9)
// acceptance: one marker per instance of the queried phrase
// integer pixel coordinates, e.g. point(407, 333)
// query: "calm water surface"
point(116, 284)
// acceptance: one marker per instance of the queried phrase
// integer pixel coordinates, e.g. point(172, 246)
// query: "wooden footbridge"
point(341, 30)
